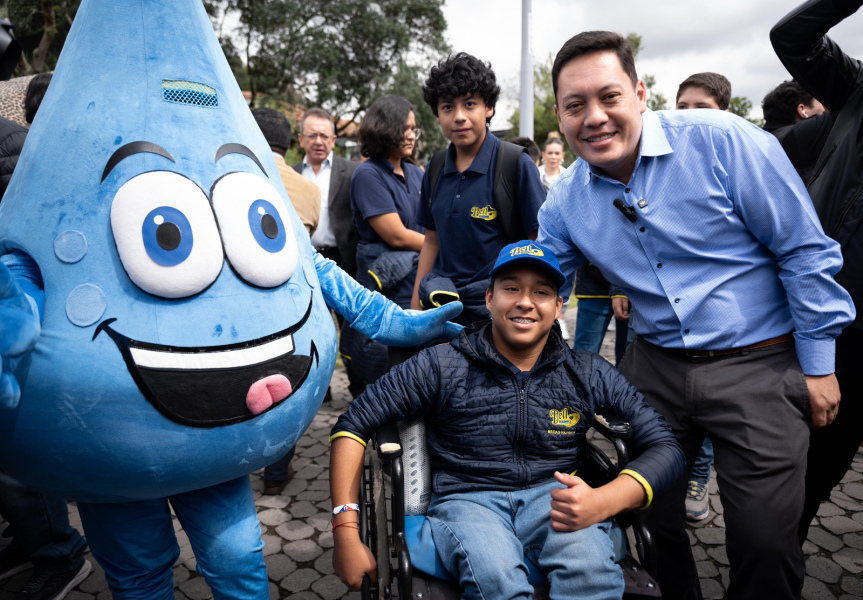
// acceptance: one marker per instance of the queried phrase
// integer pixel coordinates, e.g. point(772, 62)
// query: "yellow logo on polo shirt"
point(564, 418)
point(486, 213)
point(531, 249)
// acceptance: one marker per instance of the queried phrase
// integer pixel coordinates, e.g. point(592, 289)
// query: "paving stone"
point(272, 544)
point(303, 509)
point(841, 500)
point(279, 566)
point(692, 539)
point(719, 521)
point(106, 595)
point(320, 521)
point(716, 504)
point(182, 538)
point(324, 563)
point(849, 597)
point(850, 559)
point(272, 501)
point(710, 589)
point(852, 585)
point(327, 505)
point(315, 450)
point(185, 554)
point(295, 530)
point(274, 591)
point(823, 569)
point(191, 564)
point(319, 485)
point(95, 581)
point(181, 574)
point(712, 487)
point(80, 596)
point(810, 548)
point(852, 476)
point(315, 495)
point(196, 589)
point(725, 576)
point(828, 509)
point(310, 471)
point(273, 517)
point(828, 541)
point(303, 550)
point(295, 486)
point(854, 490)
point(325, 540)
point(854, 540)
point(858, 516)
point(706, 569)
point(815, 590)
point(710, 535)
point(329, 587)
point(840, 525)
point(300, 580)
point(698, 553)
point(719, 554)
point(304, 596)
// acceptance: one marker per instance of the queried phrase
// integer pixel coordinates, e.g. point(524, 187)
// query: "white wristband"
point(346, 508)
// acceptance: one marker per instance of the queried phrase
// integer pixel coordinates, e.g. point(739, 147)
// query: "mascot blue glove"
point(19, 330)
point(380, 319)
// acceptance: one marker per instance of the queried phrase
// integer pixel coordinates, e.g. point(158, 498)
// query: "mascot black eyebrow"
point(165, 322)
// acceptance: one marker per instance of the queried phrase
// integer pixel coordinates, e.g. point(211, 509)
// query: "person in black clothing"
point(12, 138)
point(836, 188)
point(799, 122)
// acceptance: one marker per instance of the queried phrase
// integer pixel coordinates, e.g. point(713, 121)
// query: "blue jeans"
point(134, 542)
point(482, 539)
point(40, 527)
point(701, 467)
point(591, 323)
point(278, 471)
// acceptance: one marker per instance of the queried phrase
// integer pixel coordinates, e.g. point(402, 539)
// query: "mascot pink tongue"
point(266, 392)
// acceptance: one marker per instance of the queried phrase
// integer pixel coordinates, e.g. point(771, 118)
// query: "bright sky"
point(679, 38)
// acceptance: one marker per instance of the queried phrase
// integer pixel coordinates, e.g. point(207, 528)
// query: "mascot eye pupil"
point(270, 227)
point(266, 225)
point(168, 236)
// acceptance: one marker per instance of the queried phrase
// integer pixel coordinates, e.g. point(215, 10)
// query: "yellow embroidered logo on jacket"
point(486, 213)
point(564, 418)
point(531, 249)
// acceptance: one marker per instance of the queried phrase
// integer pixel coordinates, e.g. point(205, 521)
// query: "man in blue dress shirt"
point(703, 222)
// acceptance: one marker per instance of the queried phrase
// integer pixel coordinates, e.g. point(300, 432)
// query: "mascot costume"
point(164, 326)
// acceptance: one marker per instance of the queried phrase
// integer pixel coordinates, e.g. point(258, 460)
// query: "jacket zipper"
point(845, 213)
point(821, 166)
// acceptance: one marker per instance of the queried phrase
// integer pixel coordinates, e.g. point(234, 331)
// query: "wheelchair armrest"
point(388, 441)
point(612, 427)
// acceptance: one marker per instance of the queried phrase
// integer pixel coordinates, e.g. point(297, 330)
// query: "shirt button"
point(462, 176)
point(641, 230)
point(685, 331)
point(626, 190)
point(677, 300)
point(658, 265)
point(458, 195)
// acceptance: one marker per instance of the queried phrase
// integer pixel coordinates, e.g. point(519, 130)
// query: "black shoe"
point(52, 587)
point(12, 562)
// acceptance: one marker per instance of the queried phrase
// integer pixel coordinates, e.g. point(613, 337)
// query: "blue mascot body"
point(185, 336)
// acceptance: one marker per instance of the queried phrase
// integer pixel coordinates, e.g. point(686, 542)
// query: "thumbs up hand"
point(577, 506)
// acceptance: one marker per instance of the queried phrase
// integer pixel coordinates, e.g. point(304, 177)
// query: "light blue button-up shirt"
point(727, 249)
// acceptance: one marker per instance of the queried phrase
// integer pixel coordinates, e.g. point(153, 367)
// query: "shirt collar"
point(653, 142)
point(481, 162)
point(328, 161)
point(279, 157)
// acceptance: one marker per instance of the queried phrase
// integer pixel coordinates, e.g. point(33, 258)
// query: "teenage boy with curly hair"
point(464, 229)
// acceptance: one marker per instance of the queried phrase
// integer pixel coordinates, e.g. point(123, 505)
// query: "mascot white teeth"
point(163, 317)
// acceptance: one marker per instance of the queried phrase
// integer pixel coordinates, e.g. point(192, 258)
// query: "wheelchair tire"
point(382, 546)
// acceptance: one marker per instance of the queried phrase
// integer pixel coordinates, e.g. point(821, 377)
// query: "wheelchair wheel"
point(382, 547)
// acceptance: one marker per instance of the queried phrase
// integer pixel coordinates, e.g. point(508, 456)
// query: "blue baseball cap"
point(527, 252)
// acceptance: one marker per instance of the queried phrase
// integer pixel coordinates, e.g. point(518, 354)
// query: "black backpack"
point(505, 193)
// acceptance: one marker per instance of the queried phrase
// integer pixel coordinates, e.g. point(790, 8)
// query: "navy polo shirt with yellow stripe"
point(464, 215)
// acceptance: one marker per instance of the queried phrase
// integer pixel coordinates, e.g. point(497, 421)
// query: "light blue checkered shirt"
point(727, 250)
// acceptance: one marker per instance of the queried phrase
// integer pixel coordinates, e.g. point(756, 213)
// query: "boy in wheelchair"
point(507, 407)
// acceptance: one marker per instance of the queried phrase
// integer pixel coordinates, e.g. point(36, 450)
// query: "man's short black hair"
point(590, 42)
point(460, 74)
point(717, 87)
point(35, 93)
point(532, 149)
point(383, 126)
point(780, 103)
point(275, 127)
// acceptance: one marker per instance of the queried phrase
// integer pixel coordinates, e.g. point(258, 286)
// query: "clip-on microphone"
point(627, 211)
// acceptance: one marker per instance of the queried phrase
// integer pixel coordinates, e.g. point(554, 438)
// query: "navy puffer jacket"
point(484, 433)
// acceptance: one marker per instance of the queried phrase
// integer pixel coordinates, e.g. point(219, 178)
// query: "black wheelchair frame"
point(639, 575)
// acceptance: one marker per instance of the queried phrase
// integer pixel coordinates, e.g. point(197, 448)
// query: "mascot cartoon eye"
point(166, 235)
point(256, 229)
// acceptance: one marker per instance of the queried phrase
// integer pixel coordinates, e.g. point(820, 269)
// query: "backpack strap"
point(506, 180)
point(435, 170)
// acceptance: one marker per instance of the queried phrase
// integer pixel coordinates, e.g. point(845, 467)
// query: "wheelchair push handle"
point(388, 442)
point(612, 427)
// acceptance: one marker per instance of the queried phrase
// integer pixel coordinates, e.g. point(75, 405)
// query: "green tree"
point(407, 82)
point(655, 100)
point(742, 106)
point(338, 54)
point(41, 27)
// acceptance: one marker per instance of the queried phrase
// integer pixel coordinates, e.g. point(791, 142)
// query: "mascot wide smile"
point(165, 322)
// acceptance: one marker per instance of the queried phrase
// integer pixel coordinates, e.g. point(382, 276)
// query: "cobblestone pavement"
point(298, 549)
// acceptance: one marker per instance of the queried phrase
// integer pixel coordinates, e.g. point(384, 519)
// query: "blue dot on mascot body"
point(70, 246)
point(85, 304)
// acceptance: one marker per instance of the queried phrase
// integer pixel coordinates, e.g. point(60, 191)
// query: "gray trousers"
point(755, 406)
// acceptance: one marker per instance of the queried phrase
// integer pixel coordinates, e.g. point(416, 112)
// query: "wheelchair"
point(401, 453)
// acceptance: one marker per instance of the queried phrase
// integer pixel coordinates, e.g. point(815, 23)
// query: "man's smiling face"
point(524, 304)
point(599, 111)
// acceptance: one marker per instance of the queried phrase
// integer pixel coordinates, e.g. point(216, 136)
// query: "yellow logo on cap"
point(531, 249)
point(486, 213)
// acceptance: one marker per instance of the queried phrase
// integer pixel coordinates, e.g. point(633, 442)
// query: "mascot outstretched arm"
point(164, 328)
